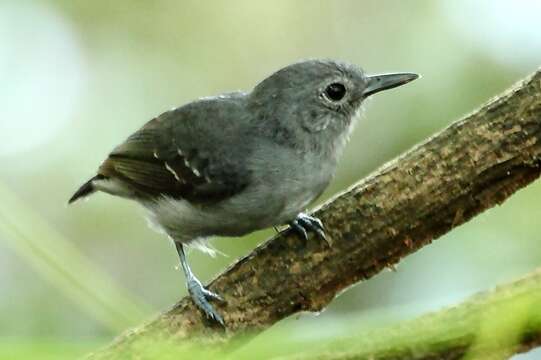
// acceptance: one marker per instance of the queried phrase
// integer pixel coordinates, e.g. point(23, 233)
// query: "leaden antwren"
point(235, 163)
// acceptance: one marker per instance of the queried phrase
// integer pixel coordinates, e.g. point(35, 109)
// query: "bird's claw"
point(305, 222)
point(201, 297)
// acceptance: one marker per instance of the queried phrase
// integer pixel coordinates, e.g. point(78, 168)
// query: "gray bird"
point(235, 163)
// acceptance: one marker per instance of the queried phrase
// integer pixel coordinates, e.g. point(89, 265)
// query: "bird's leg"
point(199, 294)
point(304, 223)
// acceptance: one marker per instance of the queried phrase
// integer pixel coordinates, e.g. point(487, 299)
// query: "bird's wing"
point(169, 158)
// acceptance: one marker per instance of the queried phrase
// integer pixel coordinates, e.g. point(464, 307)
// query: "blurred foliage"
point(490, 325)
point(82, 75)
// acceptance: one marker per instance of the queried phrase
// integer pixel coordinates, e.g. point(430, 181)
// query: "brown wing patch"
point(177, 177)
point(159, 160)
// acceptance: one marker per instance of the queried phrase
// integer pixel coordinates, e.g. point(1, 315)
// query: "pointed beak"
point(377, 83)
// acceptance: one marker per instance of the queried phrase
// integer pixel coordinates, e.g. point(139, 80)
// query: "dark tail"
point(86, 189)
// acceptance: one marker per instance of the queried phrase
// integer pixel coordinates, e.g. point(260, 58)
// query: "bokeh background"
point(77, 77)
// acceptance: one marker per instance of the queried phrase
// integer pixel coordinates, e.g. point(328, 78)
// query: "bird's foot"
point(304, 223)
point(201, 297)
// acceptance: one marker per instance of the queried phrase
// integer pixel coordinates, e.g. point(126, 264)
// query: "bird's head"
point(319, 95)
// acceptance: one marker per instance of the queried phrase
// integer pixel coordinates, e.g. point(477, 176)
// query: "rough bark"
point(474, 164)
point(492, 325)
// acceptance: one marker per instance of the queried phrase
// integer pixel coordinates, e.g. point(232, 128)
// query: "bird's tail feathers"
point(86, 189)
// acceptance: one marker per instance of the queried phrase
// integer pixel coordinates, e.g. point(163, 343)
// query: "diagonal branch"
point(472, 165)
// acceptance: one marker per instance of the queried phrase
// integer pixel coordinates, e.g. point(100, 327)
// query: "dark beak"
point(377, 83)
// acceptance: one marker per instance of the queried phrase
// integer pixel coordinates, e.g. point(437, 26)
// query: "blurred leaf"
point(54, 258)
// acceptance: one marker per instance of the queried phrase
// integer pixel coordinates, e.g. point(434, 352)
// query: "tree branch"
point(472, 165)
point(492, 325)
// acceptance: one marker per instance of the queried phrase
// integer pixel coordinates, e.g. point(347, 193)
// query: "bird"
point(235, 163)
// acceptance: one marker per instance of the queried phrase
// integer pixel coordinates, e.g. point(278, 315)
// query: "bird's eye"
point(335, 91)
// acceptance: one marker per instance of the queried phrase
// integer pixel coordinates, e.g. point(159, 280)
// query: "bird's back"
point(183, 153)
